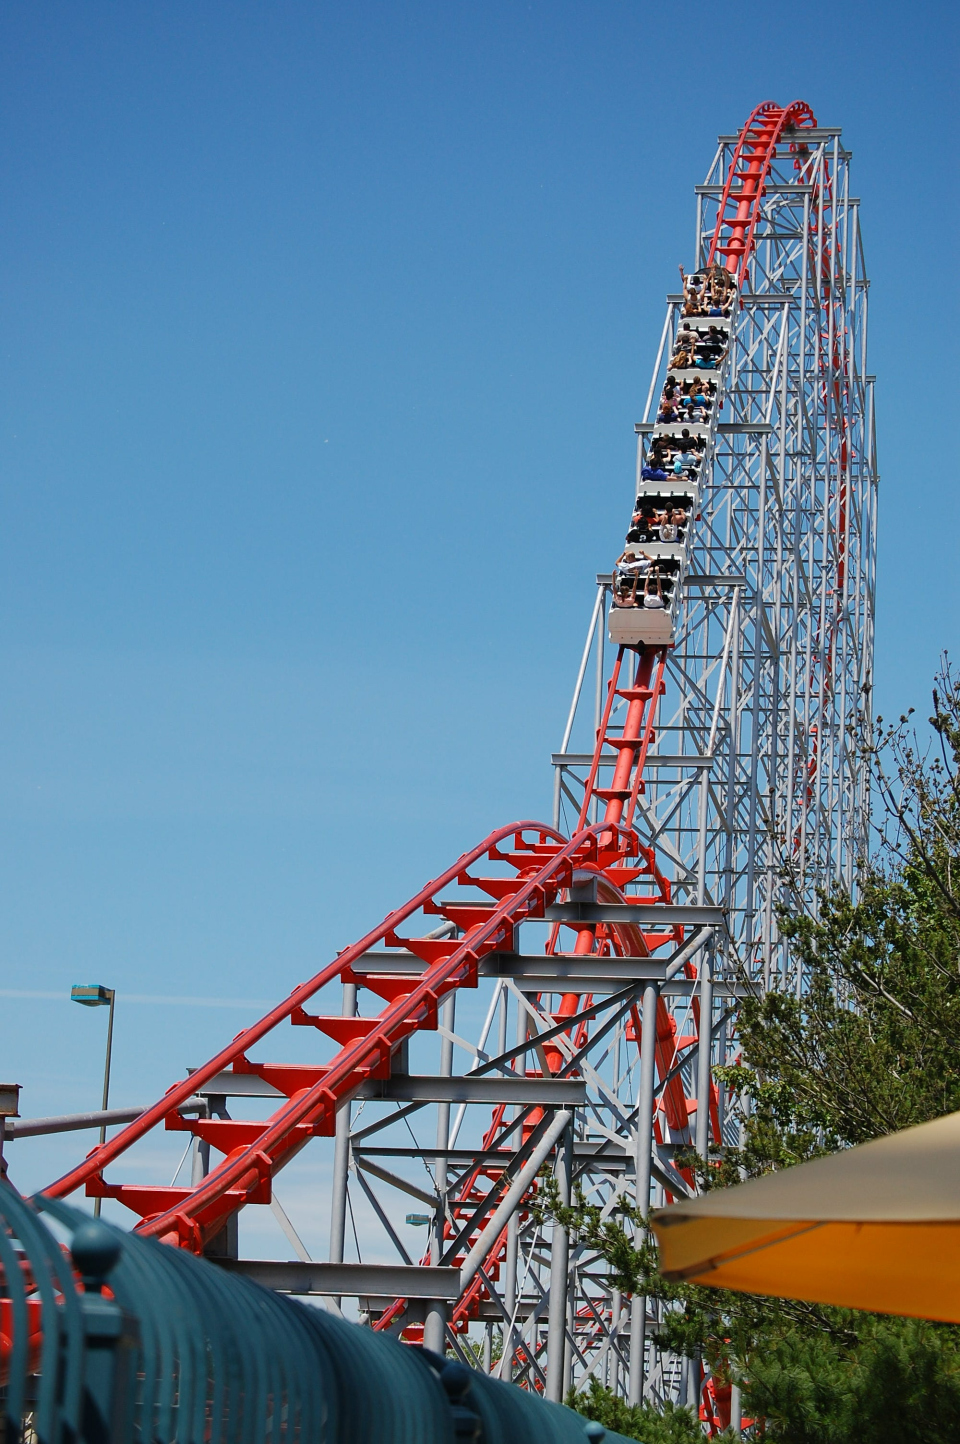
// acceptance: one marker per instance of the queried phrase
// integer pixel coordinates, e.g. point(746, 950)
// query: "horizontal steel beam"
point(689, 987)
point(509, 964)
point(355, 1280)
point(560, 966)
point(540, 968)
point(74, 1122)
point(423, 1088)
point(524, 1309)
point(748, 298)
point(571, 973)
point(648, 914)
point(715, 579)
point(740, 428)
point(537, 972)
point(768, 189)
point(550, 1092)
point(583, 1152)
point(653, 759)
point(604, 981)
point(805, 133)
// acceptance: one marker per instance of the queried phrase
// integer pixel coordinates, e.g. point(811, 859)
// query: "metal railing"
point(111, 1338)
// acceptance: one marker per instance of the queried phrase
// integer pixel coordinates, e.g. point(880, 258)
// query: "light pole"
point(95, 995)
point(9, 1108)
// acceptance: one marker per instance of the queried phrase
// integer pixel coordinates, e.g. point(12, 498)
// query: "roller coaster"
point(709, 775)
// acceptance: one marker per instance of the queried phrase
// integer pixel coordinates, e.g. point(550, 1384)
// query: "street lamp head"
point(91, 995)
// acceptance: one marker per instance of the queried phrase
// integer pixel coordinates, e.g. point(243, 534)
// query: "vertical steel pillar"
point(341, 1154)
point(511, 1335)
point(613, 1357)
point(435, 1313)
point(200, 1165)
point(736, 1410)
point(644, 1146)
point(559, 1266)
point(704, 1051)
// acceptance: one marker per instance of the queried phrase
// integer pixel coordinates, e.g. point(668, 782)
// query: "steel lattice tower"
point(769, 702)
point(756, 795)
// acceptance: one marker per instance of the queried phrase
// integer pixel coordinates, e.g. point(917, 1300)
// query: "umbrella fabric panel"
point(909, 1268)
point(909, 1176)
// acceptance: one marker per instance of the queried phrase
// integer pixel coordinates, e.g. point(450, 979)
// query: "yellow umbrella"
point(874, 1227)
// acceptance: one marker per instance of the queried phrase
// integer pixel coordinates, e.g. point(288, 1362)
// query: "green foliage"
point(636, 1421)
point(898, 1383)
point(476, 1348)
point(871, 1047)
point(632, 1262)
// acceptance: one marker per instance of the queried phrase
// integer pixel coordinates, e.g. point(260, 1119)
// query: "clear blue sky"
point(324, 329)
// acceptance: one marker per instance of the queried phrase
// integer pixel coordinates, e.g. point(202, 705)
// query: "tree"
point(870, 1047)
point(637, 1421)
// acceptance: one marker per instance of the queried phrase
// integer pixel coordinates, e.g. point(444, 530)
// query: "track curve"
point(743, 191)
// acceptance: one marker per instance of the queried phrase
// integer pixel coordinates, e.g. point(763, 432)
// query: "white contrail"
point(149, 998)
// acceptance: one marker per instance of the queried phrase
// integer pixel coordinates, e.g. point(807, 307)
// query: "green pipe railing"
point(110, 1338)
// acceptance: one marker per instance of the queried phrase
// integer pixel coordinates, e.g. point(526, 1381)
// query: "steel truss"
point(769, 702)
point(735, 785)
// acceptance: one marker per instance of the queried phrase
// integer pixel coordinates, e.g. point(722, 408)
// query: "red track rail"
point(746, 180)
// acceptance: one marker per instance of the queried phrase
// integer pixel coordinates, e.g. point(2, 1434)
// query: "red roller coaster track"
point(743, 191)
point(540, 865)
